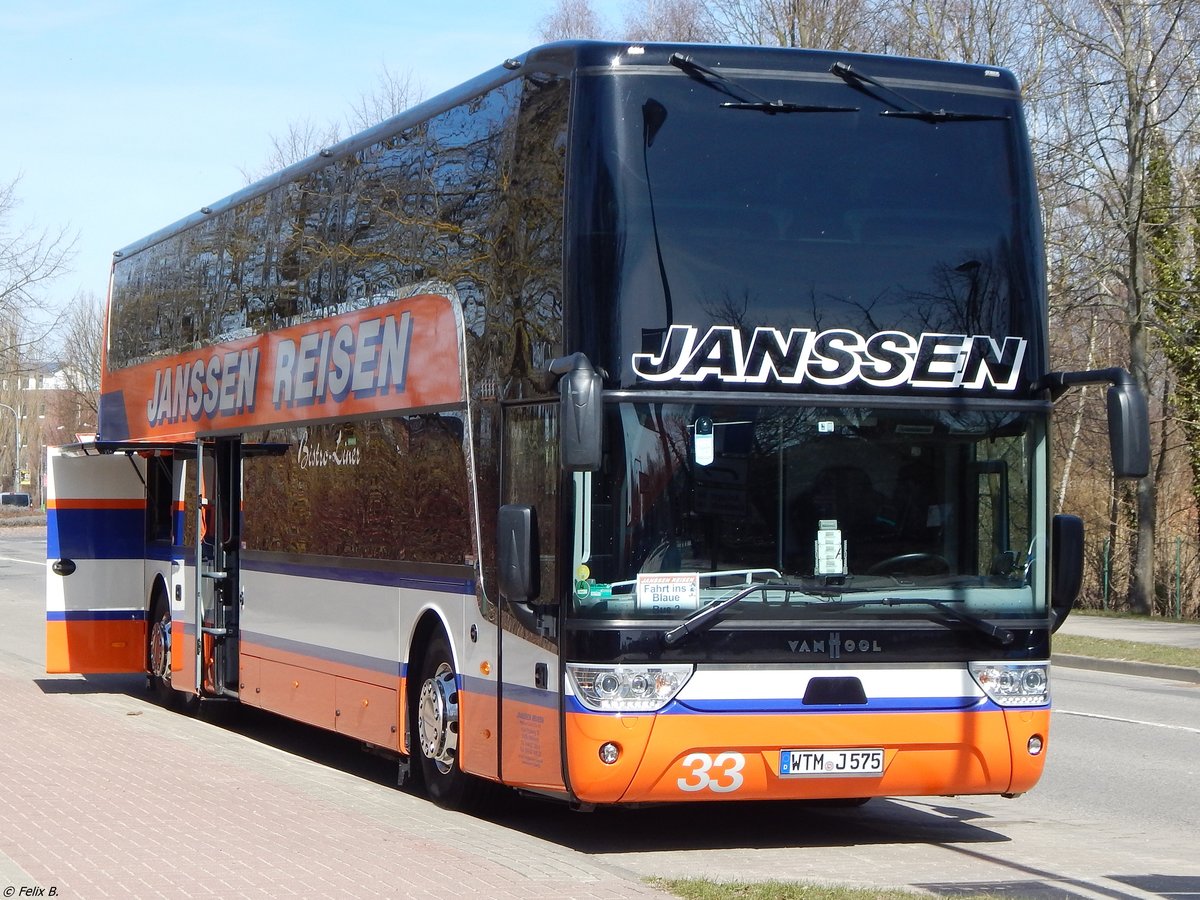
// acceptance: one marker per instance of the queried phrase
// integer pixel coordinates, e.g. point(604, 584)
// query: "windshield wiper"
point(744, 98)
point(779, 106)
point(714, 613)
point(912, 110)
point(1004, 636)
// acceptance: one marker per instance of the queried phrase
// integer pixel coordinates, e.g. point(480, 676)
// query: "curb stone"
point(1127, 667)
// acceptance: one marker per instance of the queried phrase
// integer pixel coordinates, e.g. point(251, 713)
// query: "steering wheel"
point(908, 561)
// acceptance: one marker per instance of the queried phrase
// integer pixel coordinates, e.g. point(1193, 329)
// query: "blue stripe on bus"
point(485, 687)
point(112, 414)
point(163, 552)
point(94, 615)
point(532, 696)
point(95, 534)
point(883, 704)
point(355, 575)
point(792, 707)
point(489, 687)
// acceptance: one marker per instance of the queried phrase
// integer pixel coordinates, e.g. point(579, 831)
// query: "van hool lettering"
point(836, 357)
point(399, 356)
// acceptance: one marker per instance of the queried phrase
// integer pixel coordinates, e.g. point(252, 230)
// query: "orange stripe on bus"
point(369, 712)
point(478, 734)
point(1022, 725)
point(95, 646)
point(99, 503)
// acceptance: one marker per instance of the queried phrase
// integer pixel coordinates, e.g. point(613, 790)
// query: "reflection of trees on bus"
point(467, 203)
point(459, 199)
point(376, 489)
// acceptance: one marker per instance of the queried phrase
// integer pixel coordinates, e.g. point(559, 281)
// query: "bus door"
point(530, 685)
point(95, 550)
point(218, 535)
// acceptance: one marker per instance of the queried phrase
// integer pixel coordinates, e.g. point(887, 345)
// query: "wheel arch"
point(158, 590)
point(429, 623)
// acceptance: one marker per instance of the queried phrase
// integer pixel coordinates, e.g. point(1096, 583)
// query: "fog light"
point(1035, 745)
point(609, 753)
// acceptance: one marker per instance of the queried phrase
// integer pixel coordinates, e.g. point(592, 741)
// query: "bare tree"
point(684, 21)
point(1121, 86)
point(572, 19)
point(30, 258)
point(848, 24)
point(302, 139)
point(393, 94)
point(822, 24)
point(994, 32)
point(82, 330)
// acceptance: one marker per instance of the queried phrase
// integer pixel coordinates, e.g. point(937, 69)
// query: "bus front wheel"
point(436, 728)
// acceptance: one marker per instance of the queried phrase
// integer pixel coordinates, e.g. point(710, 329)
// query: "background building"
point(46, 404)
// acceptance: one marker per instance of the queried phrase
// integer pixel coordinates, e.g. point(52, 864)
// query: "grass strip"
point(1107, 648)
point(703, 889)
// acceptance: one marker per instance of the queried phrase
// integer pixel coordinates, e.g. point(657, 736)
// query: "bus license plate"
point(830, 763)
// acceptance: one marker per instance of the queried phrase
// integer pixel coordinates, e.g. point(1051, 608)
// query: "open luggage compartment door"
point(95, 563)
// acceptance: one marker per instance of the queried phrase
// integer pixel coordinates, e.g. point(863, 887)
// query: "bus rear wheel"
point(158, 660)
point(158, 653)
point(435, 729)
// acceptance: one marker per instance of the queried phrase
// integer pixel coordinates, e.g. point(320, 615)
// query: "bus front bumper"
point(682, 756)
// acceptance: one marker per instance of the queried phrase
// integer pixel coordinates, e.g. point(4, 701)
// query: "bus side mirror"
point(581, 413)
point(1128, 430)
point(1128, 416)
point(1067, 567)
point(517, 560)
point(517, 553)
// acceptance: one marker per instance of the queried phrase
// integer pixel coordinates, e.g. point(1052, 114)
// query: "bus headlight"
point(627, 688)
point(1013, 684)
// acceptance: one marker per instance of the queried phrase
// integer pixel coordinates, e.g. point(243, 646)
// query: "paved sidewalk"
point(1144, 631)
point(154, 804)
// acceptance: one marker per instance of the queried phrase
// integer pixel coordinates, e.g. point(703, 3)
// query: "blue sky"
point(123, 116)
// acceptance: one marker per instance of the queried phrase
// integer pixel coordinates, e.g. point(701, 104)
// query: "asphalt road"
point(1117, 813)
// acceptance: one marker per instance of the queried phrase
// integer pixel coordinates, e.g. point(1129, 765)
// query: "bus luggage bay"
point(630, 424)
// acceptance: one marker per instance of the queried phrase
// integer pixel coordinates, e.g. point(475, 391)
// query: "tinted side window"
point(160, 499)
point(531, 475)
point(392, 489)
point(415, 211)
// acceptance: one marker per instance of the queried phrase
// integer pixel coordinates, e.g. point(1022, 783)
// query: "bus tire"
point(436, 728)
point(158, 659)
point(158, 651)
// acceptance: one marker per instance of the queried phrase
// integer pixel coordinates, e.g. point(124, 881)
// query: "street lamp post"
point(16, 447)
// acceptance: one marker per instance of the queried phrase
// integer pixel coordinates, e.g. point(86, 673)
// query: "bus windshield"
point(701, 212)
point(697, 500)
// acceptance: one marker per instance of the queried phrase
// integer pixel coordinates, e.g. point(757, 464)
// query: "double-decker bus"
point(629, 424)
